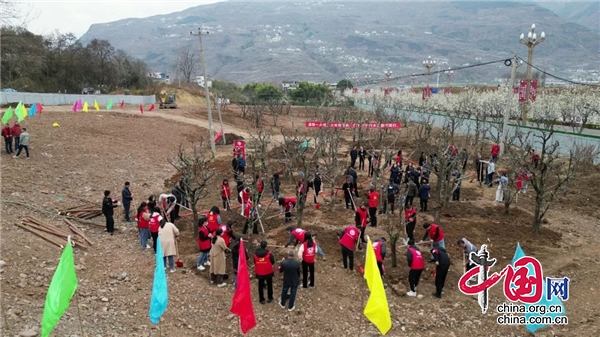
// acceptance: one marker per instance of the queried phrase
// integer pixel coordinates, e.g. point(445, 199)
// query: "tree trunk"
point(393, 242)
point(537, 215)
point(196, 217)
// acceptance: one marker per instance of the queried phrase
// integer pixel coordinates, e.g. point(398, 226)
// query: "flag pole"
point(77, 298)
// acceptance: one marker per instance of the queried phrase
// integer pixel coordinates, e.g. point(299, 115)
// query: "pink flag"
point(75, 107)
point(79, 104)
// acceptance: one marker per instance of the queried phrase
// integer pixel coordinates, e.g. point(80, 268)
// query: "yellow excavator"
point(167, 100)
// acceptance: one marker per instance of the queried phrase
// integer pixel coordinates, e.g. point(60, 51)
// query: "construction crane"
point(167, 100)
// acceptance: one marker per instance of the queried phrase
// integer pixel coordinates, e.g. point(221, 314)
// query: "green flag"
point(62, 287)
point(109, 104)
point(7, 115)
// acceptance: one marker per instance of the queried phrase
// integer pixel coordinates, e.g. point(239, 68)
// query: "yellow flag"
point(377, 310)
point(85, 107)
point(23, 111)
point(96, 106)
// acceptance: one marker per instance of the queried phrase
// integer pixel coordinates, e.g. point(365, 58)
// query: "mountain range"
point(329, 40)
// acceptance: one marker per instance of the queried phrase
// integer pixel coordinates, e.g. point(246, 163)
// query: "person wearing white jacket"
point(491, 169)
point(167, 202)
point(307, 253)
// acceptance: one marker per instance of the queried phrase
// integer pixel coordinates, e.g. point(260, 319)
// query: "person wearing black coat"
point(263, 280)
point(362, 154)
point(317, 185)
point(179, 196)
point(126, 196)
point(108, 206)
point(442, 264)
point(235, 256)
point(290, 268)
point(353, 156)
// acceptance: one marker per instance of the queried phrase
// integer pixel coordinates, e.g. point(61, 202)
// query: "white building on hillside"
point(200, 81)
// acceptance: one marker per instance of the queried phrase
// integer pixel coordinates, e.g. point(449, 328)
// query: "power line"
point(557, 77)
point(506, 62)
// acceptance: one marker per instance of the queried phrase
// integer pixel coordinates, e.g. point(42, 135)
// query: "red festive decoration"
point(523, 91)
point(427, 92)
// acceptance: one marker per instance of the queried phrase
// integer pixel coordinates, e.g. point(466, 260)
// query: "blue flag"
point(32, 110)
point(544, 301)
point(160, 295)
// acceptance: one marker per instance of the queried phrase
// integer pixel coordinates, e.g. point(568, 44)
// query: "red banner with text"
point(338, 125)
point(523, 91)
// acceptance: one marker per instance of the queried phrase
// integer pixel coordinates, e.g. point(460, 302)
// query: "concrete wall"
point(68, 99)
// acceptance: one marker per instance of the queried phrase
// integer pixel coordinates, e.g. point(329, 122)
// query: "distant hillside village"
point(284, 85)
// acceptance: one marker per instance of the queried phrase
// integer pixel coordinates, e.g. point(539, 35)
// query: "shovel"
point(178, 262)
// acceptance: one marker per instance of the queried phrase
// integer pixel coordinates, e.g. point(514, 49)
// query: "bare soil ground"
point(88, 153)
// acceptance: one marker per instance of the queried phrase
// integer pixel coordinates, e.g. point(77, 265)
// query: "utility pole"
point(509, 96)
point(213, 148)
point(220, 119)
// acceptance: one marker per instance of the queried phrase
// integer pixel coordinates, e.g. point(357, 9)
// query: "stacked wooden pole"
point(88, 211)
point(55, 235)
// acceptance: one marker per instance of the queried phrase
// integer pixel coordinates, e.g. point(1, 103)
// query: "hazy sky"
point(77, 16)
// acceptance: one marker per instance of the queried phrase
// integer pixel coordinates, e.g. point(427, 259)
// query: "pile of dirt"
point(230, 138)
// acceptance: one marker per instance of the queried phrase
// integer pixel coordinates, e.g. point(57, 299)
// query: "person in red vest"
point(380, 250)
point(416, 264)
point(535, 158)
point(16, 132)
point(250, 211)
point(226, 194)
point(495, 152)
point(213, 217)
point(143, 222)
point(410, 218)
point(373, 203)
point(227, 233)
point(204, 244)
point(348, 240)
point(435, 233)
point(299, 235)
point(399, 158)
point(260, 186)
point(264, 270)
point(245, 197)
point(287, 205)
point(154, 224)
point(306, 254)
point(361, 220)
point(8, 138)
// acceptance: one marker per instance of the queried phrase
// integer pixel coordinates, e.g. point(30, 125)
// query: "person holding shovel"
point(226, 194)
point(287, 205)
point(361, 219)
point(348, 194)
point(416, 264)
point(299, 235)
point(249, 212)
point(316, 186)
point(442, 264)
point(168, 235)
point(227, 234)
point(435, 233)
point(168, 203)
point(348, 241)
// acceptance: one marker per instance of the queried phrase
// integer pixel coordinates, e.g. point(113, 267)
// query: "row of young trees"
point(558, 165)
point(59, 62)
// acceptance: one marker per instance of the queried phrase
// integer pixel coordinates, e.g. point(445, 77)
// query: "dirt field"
point(94, 151)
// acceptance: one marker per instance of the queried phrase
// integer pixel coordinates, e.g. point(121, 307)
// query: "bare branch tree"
point(187, 63)
point(194, 166)
point(300, 157)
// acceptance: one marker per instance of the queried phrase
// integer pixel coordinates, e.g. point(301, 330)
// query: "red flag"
point(141, 108)
point(241, 304)
point(39, 107)
point(151, 107)
point(122, 103)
